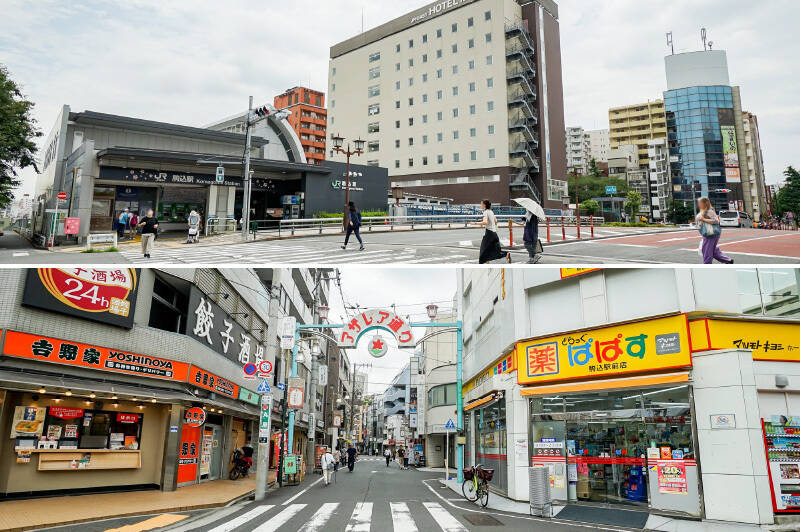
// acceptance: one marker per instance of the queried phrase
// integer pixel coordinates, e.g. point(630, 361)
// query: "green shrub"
point(340, 215)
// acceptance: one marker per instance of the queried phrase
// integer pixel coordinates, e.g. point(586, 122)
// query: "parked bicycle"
point(476, 484)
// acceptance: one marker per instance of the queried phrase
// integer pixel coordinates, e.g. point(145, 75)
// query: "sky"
point(409, 289)
point(191, 62)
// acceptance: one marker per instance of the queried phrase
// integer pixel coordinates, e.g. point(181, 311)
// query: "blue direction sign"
point(450, 425)
point(263, 387)
point(611, 189)
point(281, 386)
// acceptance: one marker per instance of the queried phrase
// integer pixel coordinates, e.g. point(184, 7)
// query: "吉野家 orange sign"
point(638, 347)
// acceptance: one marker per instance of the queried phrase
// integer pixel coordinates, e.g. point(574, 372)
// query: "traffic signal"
point(262, 112)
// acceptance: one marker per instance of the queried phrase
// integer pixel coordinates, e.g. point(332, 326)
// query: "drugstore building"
point(666, 391)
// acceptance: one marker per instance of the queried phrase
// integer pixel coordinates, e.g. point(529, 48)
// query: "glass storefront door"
point(490, 437)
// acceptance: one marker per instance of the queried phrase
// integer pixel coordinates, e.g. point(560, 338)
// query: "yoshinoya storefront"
point(681, 414)
point(92, 400)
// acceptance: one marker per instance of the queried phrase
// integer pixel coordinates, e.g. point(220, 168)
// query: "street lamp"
point(432, 311)
point(322, 311)
point(338, 142)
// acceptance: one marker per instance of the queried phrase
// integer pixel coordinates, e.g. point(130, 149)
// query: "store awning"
point(478, 402)
point(607, 384)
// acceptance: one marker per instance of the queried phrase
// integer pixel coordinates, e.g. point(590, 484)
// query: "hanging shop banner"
point(187, 460)
point(767, 341)
point(27, 421)
point(671, 476)
point(105, 295)
point(195, 416)
point(504, 365)
point(573, 272)
point(212, 326)
point(376, 319)
point(58, 351)
point(730, 146)
point(296, 393)
point(248, 396)
point(123, 417)
point(286, 330)
point(215, 383)
point(64, 412)
point(657, 344)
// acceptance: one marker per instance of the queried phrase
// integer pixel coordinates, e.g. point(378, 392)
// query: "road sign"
point(264, 423)
point(72, 225)
point(611, 189)
point(249, 370)
point(264, 368)
point(263, 387)
point(62, 196)
point(287, 328)
point(450, 425)
point(220, 174)
point(281, 386)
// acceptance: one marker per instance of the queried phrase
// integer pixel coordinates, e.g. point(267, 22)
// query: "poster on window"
point(105, 295)
point(28, 421)
point(671, 477)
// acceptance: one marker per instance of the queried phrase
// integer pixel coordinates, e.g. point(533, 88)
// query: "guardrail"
point(217, 225)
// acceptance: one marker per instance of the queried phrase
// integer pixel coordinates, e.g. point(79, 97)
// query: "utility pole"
point(246, 174)
point(312, 391)
point(353, 393)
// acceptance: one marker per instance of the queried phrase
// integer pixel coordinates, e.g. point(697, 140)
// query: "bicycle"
point(476, 484)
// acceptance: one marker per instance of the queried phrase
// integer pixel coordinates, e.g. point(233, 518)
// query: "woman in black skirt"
point(490, 245)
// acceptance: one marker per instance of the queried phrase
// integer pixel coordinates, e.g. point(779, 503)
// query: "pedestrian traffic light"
point(262, 112)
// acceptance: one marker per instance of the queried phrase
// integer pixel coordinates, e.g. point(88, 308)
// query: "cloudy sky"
point(194, 61)
point(409, 289)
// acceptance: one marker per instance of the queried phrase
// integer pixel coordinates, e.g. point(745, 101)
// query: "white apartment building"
point(460, 99)
point(660, 186)
point(599, 145)
point(578, 151)
point(755, 165)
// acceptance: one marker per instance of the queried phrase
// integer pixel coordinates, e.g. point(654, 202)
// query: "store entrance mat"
point(604, 516)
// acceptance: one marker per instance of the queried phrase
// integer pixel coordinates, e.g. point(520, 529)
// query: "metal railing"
point(217, 225)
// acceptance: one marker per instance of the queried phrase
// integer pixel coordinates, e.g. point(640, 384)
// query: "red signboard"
point(209, 381)
point(57, 351)
point(195, 416)
point(61, 195)
point(64, 412)
point(127, 418)
point(189, 452)
point(72, 225)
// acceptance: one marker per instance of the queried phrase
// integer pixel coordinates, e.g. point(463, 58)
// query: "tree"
point(594, 170)
point(632, 202)
point(788, 197)
point(679, 212)
point(17, 133)
point(590, 207)
point(595, 187)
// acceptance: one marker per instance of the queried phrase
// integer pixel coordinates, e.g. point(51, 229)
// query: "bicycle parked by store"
point(476, 484)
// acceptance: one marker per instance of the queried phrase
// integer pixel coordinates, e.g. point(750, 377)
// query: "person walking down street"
point(530, 237)
point(337, 456)
point(405, 458)
point(351, 457)
point(327, 462)
point(193, 221)
point(400, 457)
point(708, 225)
point(134, 220)
point(388, 455)
point(149, 225)
point(122, 224)
point(490, 244)
point(353, 225)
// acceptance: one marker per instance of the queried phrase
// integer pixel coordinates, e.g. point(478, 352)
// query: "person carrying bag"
point(711, 231)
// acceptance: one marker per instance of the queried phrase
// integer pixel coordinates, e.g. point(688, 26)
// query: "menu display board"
point(782, 442)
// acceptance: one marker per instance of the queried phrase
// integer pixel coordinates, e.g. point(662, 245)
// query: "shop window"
point(77, 428)
point(170, 304)
point(769, 291)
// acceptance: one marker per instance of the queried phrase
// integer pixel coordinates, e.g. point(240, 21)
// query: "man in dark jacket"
point(353, 225)
point(530, 237)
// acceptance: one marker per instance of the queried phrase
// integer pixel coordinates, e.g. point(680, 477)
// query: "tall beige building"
point(755, 166)
point(637, 124)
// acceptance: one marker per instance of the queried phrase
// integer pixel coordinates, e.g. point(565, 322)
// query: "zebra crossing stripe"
point(279, 520)
point(320, 518)
point(242, 519)
point(401, 517)
point(361, 518)
point(447, 522)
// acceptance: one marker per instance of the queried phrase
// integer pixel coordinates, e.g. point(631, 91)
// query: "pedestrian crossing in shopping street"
point(285, 252)
point(409, 516)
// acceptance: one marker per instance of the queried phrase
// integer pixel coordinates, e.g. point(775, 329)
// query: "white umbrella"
point(532, 206)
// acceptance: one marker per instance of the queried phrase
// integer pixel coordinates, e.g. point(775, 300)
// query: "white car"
point(734, 219)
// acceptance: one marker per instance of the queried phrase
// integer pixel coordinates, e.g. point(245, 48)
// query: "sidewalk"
point(29, 514)
point(654, 522)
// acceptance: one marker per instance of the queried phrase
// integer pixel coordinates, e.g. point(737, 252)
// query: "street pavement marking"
point(401, 517)
point(443, 518)
point(465, 243)
point(243, 519)
point(723, 243)
point(434, 259)
point(149, 524)
point(20, 254)
point(287, 501)
point(279, 520)
point(361, 518)
point(320, 518)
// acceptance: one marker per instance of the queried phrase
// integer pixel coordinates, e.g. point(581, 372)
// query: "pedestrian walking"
point(353, 225)
point(149, 225)
point(327, 462)
point(122, 224)
point(490, 244)
point(134, 220)
point(400, 457)
point(388, 455)
point(708, 225)
point(351, 457)
point(337, 456)
point(193, 221)
point(405, 458)
point(530, 237)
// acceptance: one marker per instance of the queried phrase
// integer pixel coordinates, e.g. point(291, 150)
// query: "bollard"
point(548, 229)
point(510, 235)
point(563, 231)
point(578, 225)
point(591, 224)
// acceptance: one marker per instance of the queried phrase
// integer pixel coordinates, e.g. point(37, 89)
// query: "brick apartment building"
point(309, 119)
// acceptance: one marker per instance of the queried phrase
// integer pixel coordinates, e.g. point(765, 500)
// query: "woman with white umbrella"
point(530, 236)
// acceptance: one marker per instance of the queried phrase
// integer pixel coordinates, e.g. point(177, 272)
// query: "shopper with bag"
point(194, 227)
point(708, 225)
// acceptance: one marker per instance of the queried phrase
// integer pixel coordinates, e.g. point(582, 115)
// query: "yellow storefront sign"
point(572, 272)
point(642, 346)
point(501, 366)
point(766, 340)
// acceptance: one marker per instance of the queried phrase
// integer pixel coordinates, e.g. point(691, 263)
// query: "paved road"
point(15, 249)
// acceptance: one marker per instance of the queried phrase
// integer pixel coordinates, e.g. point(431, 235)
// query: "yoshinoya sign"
point(105, 295)
point(212, 326)
point(437, 9)
point(175, 178)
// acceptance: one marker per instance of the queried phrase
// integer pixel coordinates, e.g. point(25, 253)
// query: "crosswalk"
point(351, 517)
point(286, 252)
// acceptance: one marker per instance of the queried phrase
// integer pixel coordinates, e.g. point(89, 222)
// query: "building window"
point(425, 38)
point(490, 82)
point(373, 91)
point(439, 95)
point(473, 132)
point(424, 98)
point(397, 104)
point(487, 15)
point(769, 291)
point(473, 156)
point(439, 159)
point(490, 106)
point(410, 121)
point(397, 124)
point(455, 91)
point(397, 143)
point(410, 102)
point(454, 28)
point(374, 127)
point(425, 78)
point(424, 161)
point(455, 134)
point(375, 56)
point(424, 119)
point(491, 130)
point(489, 60)
point(373, 162)
point(397, 85)
point(470, 22)
point(472, 109)
point(438, 54)
point(374, 72)
point(410, 162)
point(333, 71)
point(410, 62)
point(410, 82)
point(397, 164)
point(471, 86)
point(455, 112)
point(424, 139)
point(455, 48)
point(455, 157)
point(491, 153)
point(471, 65)
point(424, 58)
point(471, 43)
point(439, 137)
point(455, 69)
point(374, 109)
point(488, 37)
point(444, 394)
point(373, 145)
point(411, 43)
point(439, 74)
point(397, 66)
point(439, 33)
point(333, 103)
point(439, 116)
point(397, 48)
